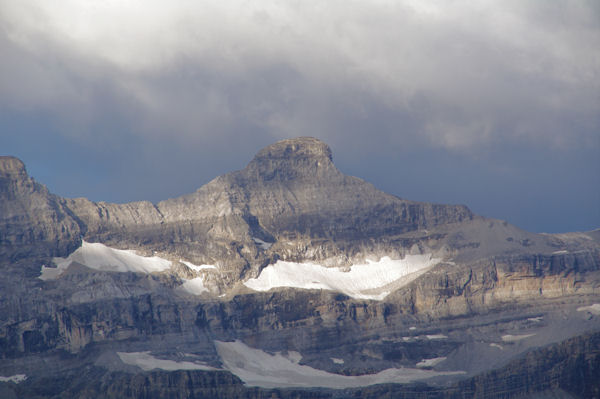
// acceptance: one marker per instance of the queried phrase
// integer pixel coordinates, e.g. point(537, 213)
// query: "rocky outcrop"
point(293, 188)
point(33, 222)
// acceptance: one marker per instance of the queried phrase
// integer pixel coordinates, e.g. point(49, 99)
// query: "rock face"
point(559, 371)
point(291, 192)
point(33, 222)
point(493, 292)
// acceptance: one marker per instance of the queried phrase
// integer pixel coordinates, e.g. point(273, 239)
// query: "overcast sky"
point(492, 104)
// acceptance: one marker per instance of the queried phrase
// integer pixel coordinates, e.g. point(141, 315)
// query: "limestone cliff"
point(493, 293)
point(33, 222)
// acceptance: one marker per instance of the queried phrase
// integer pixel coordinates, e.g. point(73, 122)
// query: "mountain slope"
point(287, 260)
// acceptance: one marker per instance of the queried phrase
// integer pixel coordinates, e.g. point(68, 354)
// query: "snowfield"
point(436, 336)
point(147, 362)
point(196, 267)
point(17, 378)
point(515, 338)
point(258, 368)
point(593, 309)
point(100, 257)
point(194, 286)
point(362, 281)
point(430, 362)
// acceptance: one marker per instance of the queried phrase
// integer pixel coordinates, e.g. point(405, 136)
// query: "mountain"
point(288, 279)
point(33, 221)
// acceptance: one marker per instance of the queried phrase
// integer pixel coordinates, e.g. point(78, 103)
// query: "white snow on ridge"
point(100, 257)
point(196, 267)
point(51, 273)
point(436, 336)
point(515, 338)
point(194, 286)
point(359, 282)
point(17, 378)
point(258, 368)
point(430, 362)
point(147, 362)
point(594, 309)
point(337, 360)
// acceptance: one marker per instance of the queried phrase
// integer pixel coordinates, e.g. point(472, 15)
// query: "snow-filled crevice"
point(198, 267)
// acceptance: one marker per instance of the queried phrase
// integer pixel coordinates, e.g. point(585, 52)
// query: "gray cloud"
point(186, 80)
point(191, 66)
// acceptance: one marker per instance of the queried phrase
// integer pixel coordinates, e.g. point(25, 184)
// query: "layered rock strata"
point(494, 292)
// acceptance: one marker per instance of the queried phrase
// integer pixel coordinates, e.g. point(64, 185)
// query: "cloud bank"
point(451, 77)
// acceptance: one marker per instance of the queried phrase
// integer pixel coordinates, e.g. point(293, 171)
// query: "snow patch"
point(100, 257)
point(412, 328)
point(196, 267)
point(294, 356)
point(51, 273)
point(536, 319)
point(258, 368)
point(436, 336)
point(430, 362)
point(515, 338)
point(336, 360)
point(17, 378)
point(594, 309)
point(194, 286)
point(147, 362)
point(264, 245)
point(495, 345)
point(363, 281)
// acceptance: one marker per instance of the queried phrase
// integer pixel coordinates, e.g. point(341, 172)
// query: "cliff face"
point(566, 370)
point(489, 293)
point(293, 188)
point(33, 222)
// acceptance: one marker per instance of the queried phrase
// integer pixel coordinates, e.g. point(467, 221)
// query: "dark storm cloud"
point(430, 100)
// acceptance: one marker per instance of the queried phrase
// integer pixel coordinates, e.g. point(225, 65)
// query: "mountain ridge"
point(169, 282)
point(290, 192)
point(288, 189)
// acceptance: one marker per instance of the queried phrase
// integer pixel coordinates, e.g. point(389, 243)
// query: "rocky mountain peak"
point(301, 157)
point(299, 147)
point(14, 180)
point(33, 222)
point(11, 167)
